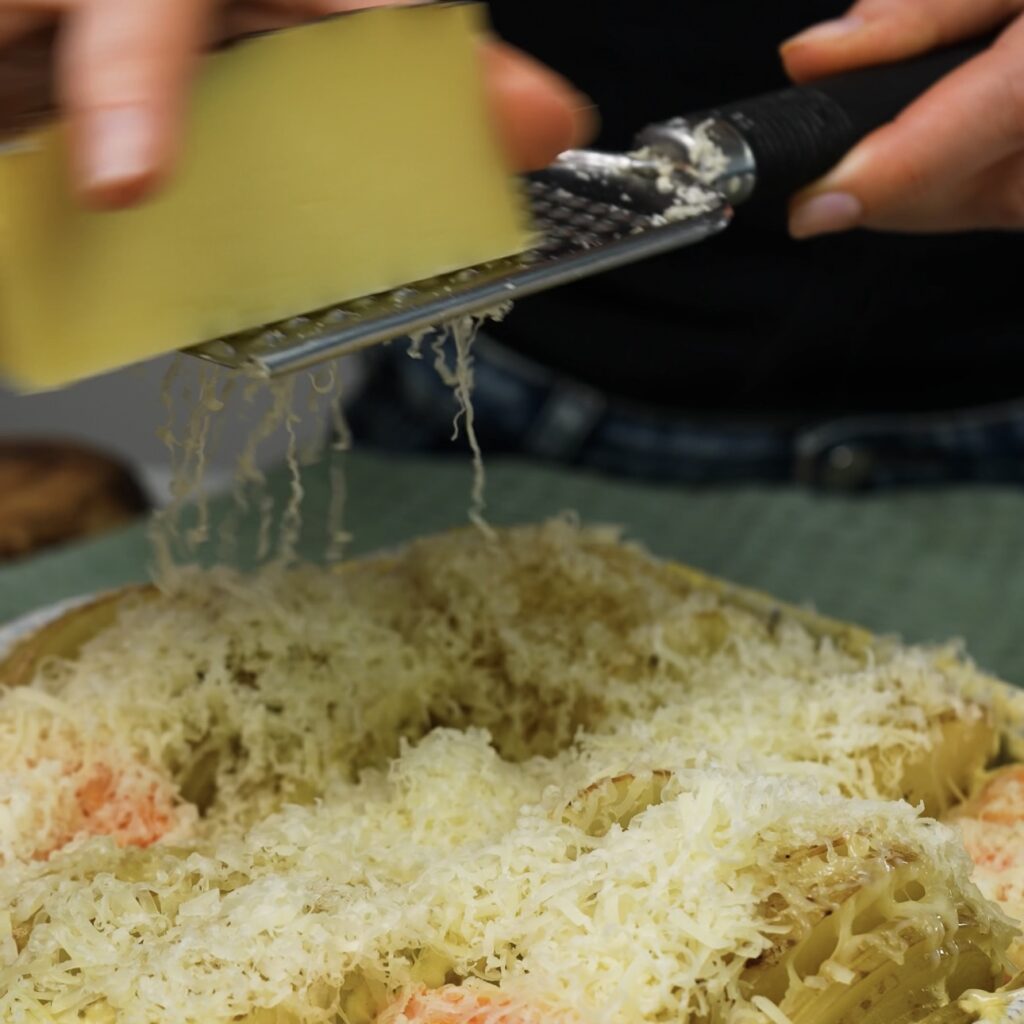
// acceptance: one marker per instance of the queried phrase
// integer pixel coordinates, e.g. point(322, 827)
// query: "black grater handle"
point(782, 141)
point(799, 134)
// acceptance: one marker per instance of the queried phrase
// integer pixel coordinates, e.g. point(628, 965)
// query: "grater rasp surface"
point(592, 212)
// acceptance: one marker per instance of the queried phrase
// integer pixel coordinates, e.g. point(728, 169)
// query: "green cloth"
point(927, 565)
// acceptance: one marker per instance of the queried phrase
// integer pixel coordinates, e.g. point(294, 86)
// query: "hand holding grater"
point(597, 211)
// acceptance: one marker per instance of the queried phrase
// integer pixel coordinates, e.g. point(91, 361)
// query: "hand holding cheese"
point(955, 159)
point(123, 71)
point(330, 160)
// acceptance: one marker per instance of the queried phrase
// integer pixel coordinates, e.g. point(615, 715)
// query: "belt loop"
point(565, 421)
point(856, 452)
point(838, 455)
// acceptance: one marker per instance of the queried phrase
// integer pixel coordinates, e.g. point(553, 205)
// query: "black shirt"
point(752, 322)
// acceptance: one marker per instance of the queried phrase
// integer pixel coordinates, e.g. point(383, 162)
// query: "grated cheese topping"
point(535, 763)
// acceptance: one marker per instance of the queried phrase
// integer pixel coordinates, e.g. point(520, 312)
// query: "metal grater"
point(592, 212)
point(597, 211)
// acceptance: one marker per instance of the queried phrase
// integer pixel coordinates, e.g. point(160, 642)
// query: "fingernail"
point(118, 153)
point(828, 31)
point(825, 214)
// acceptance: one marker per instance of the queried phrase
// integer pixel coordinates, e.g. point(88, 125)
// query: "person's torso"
point(752, 321)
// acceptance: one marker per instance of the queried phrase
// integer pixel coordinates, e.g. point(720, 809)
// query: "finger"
point(123, 77)
point(26, 80)
point(998, 196)
point(991, 200)
point(18, 23)
point(925, 160)
point(880, 31)
point(537, 113)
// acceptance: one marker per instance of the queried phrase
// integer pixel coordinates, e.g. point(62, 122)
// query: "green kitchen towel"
point(927, 565)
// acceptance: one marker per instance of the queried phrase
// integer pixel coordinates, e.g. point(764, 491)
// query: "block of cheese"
point(322, 163)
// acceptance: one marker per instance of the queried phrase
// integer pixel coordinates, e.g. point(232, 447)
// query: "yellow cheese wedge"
point(323, 163)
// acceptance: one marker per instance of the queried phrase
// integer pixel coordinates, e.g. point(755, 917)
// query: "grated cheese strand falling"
point(163, 527)
point(205, 423)
point(189, 456)
point(463, 333)
point(325, 386)
point(199, 445)
point(338, 538)
point(281, 393)
point(291, 518)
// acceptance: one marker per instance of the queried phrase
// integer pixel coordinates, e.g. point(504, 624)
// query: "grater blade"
point(593, 212)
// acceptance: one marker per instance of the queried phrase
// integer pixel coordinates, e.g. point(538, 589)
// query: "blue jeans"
point(523, 409)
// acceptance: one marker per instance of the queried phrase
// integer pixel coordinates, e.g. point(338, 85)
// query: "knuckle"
point(912, 169)
point(112, 83)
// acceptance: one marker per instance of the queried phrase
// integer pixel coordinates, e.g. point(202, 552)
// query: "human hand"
point(123, 69)
point(954, 160)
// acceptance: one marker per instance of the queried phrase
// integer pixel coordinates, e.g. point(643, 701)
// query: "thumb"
point(919, 171)
point(881, 31)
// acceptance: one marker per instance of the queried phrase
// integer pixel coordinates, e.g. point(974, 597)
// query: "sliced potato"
point(362, 999)
point(861, 964)
point(949, 771)
point(894, 992)
point(616, 801)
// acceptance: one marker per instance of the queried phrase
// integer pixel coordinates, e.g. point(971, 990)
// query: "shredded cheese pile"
point(537, 759)
point(197, 415)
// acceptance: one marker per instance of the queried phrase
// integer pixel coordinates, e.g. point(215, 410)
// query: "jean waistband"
point(524, 408)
